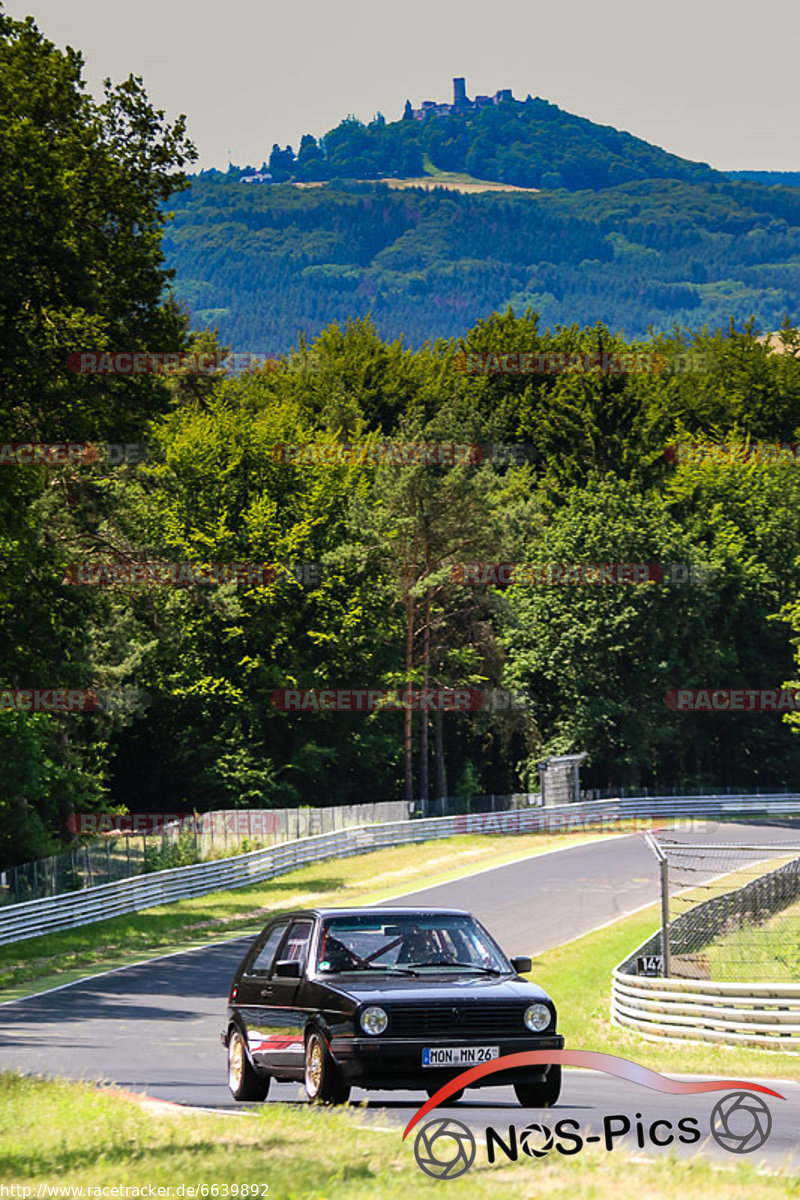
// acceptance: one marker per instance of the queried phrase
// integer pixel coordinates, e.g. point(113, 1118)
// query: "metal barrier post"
point(664, 873)
point(665, 914)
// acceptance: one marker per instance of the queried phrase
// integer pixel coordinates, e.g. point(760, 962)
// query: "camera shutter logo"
point(536, 1140)
point(444, 1148)
point(741, 1122)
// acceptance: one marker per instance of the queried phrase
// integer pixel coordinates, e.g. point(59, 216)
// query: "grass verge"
point(765, 950)
point(57, 958)
point(71, 1134)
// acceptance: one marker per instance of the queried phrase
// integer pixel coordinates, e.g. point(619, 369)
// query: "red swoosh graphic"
point(610, 1063)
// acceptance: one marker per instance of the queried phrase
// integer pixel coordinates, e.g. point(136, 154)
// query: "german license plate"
point(458, 1056)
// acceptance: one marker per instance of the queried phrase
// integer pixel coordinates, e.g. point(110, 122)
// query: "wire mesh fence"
point(180, 841)
point(105, 860)
point(185, 839)
point(730, 912)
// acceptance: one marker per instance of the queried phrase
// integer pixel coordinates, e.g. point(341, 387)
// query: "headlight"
point(374, 1019)
point(537, 1017)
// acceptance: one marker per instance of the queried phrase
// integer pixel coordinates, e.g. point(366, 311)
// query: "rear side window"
point(263, 961)
point(296, 945)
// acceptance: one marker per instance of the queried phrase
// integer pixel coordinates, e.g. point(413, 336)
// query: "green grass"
point(448, 176)
point(57, 958)
point(767, 951)
point(578, 976)
point(73, 1134)
point(434, 173)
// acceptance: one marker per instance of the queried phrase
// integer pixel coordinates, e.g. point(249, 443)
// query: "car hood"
point(430, 989)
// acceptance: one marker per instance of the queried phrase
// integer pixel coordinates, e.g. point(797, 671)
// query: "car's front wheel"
point(322, 1079)
point(244, 1082)
point(540, 1095)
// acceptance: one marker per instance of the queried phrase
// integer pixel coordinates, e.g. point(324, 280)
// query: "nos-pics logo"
point(445, 1148)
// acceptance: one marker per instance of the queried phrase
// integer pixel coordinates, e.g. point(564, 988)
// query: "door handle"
point(267, 991)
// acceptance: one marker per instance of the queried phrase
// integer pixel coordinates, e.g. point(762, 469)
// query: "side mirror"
point(288, 968)
point(521, 964)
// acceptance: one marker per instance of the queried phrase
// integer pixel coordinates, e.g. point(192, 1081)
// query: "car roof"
point(427, 910)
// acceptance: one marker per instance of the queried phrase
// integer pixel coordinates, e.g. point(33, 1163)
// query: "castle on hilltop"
point(461, 103)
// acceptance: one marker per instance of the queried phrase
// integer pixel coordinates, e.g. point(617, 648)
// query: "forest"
point(530, 143)
point(263, 263)
point(386, 607)
point(358, 555)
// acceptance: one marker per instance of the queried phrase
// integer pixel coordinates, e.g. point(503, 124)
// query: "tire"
point(243, 1080)
point(540, 1095)
point(322, 1080)
point(456, 1096)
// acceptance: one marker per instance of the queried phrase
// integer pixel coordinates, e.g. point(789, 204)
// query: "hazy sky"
point(713, 80)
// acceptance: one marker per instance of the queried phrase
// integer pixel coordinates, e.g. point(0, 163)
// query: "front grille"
point(457, 1020)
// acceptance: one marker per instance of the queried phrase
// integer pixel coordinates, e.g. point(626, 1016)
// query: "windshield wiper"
point(393, 970)
point(462, 966)
point(374, 967)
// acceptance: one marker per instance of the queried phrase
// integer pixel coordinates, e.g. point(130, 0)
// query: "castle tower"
point(459, 94)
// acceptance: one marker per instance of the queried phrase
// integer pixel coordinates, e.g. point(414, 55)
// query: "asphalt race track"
point(136, 1027)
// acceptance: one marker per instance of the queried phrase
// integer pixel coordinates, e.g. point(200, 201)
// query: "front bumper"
point(390, 1063)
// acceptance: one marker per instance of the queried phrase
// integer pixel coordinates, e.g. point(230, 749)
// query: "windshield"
point(407, 945)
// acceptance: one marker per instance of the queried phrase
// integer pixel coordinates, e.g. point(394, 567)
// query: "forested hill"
point(263, 262)
point(771, 178)
point(529, 143)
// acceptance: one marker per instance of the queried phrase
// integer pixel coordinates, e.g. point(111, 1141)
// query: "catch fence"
point(725, 965)
point(113, 856)
point(730, 912)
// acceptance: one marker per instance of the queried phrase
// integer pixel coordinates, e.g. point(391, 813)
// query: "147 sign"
point(650, 964)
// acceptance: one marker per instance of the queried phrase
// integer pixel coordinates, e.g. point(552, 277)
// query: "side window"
point(263, 960)
point(296, 944)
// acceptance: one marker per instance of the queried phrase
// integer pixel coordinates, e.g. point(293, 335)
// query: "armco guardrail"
point(744, 1014)
point(34, 917)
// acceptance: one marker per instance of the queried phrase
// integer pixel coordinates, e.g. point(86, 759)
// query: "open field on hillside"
point(450, 179)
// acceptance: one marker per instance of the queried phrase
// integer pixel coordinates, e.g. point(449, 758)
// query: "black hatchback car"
point(383, 998)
